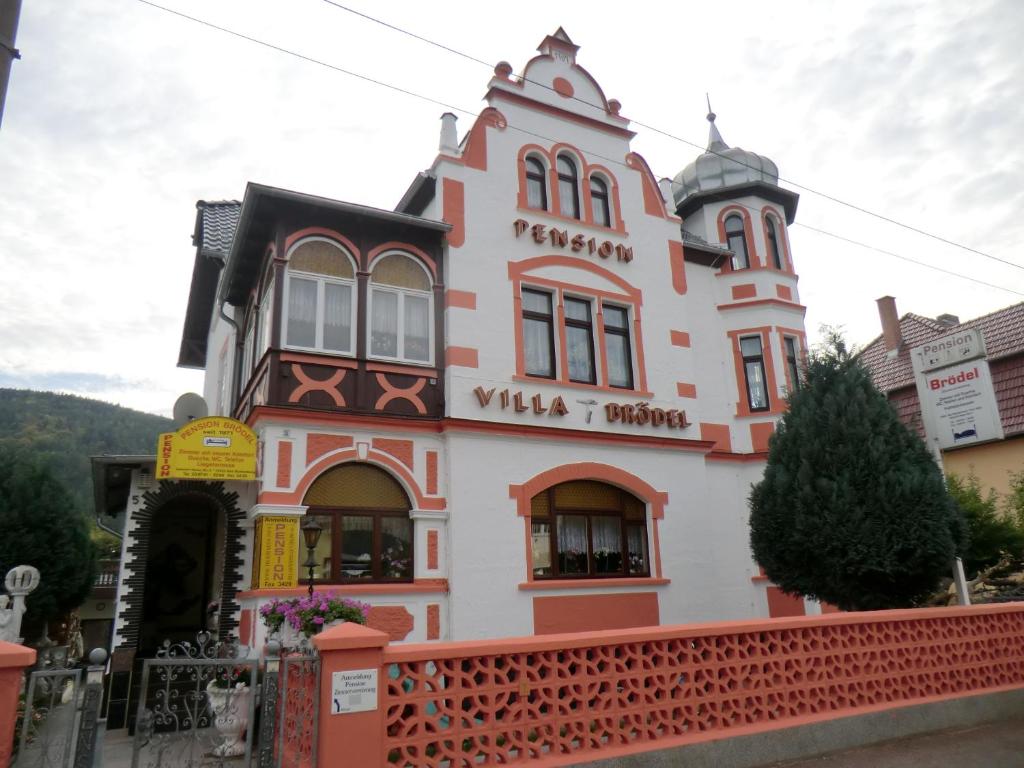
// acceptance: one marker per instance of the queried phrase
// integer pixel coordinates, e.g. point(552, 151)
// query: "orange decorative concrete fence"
point(13, 660)
point(562, 699)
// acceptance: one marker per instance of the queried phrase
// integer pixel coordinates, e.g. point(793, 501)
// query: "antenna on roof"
point(711, 115)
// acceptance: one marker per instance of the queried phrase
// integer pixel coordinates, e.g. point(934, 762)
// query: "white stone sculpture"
point(20, 581)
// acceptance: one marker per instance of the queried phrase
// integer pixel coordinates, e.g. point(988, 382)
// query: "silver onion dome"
point(722, 166)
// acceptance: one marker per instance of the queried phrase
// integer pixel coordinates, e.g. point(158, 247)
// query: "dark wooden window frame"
point(773, 241)
point(569, 178)
point(552, 521)
point(792, 351)
point(529, 314)
point(599, 201)
point(336, 514)
point(536, 174)
point(625, 333)
point(759, 361)
point(585, 325)
point(739, 236)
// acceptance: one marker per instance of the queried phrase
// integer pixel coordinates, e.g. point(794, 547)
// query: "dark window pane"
point(301, 312)
point(356, 547)
point(417, 327)
point(620, 366)
point(322, 553)
point(572, 544)
point(750, 346)
point(577, 310)
point(615, 317)
point(536, 188)
point(535, 301)
point(384, 324)
point(636, 536)
point(607, 535)
point(396, 547)
point(338, 317)
point(756, 385)
point(541, 548)
point(737, 242)
point(599, 202)
point(773, 243)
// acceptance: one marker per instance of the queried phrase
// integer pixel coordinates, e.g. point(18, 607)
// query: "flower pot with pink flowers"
point(292, 621)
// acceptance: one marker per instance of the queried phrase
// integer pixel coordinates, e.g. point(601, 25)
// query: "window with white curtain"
point(401, 310)
point(320, 291)
point(588, 529)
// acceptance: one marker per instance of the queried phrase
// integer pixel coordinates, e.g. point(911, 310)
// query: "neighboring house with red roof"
point(888, 359)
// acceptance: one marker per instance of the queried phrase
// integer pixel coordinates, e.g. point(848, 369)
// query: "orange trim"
point(418, 586)
point(744, 291)
point(748, 233)
point(459, 299)
point(781, 604)
point(453, 193)
point(431, 472)
point(585, 613)
point(564, 114)
point(781, 240)
point(602, 357)
point(717, 433)
point(307, 384)
point(432, 558)
point(657, 548)
point(677, 264)
point(759, 435)
point(801, 337)
point(646, 581)
point(284, 463)
point(784, 292)
point(411, 370)
point(686, 390)
point(588, 470)
point(329, 360)
point(433, 621)
point(679, 338)
point(374, 456)
point(474, 155)
point(517, 271)
point(736, 458)
point(331, 234)
point(776, 404)
point(765, 303)
point(318, 444)
point(410, 394)
point(400, 449)
point(409, 249)
point(463, 357)
point(563, 87)
point(442, 426)
point(654, 204)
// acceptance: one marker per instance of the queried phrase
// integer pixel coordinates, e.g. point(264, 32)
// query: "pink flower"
point(318, 619)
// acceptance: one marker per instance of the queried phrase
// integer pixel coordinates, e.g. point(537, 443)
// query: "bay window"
point(588, 529)
point(752, 352)
point(320, 298)
point(401, 310)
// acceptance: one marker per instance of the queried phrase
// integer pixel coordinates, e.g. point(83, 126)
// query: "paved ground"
point(994, 745)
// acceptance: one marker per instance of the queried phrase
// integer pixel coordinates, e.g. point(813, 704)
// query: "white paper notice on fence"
point(354, 690)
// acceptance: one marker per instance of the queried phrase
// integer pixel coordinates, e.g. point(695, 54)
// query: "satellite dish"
point(188, 407)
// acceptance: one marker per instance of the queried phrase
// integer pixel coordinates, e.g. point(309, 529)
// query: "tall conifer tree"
point(852, 509)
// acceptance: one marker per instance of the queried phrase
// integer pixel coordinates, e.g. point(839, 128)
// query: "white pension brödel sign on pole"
point(955, 389)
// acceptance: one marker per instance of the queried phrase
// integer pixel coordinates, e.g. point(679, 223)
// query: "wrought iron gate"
point(202, 705)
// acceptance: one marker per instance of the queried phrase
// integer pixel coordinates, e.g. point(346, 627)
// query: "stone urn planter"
point(230, 707)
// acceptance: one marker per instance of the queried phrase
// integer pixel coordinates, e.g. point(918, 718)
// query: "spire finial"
point(715, 141)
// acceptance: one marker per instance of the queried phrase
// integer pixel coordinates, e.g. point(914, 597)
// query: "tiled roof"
point(215, 226)
point(1004, 342)
point(1003, 331)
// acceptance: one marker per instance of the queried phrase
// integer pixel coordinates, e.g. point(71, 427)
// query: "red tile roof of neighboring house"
point(1004, 341)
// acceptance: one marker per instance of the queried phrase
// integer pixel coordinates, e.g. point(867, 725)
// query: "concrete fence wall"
point(564, 699)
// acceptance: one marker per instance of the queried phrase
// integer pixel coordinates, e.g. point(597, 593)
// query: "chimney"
point(890, 324)
point(947, 320)
point(449, 135)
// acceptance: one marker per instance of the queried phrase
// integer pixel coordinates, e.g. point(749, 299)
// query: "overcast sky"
point(119, 117)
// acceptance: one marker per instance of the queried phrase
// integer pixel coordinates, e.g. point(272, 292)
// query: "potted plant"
point(229, 693)
point(306, 616)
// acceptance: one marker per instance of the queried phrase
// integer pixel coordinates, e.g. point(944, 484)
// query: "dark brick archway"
point(226, 503)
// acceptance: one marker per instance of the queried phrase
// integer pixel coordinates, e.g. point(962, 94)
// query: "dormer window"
point(320, 297)
point(736, 241)
point(568, 188)
point(599, 202)
point(773, 242)
point(536, 184)
point(401, 310)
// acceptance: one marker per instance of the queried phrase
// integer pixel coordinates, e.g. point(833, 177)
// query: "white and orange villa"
point(532, 399)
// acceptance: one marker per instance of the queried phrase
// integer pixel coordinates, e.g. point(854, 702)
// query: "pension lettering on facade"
point(641, 413)
point(577, 243)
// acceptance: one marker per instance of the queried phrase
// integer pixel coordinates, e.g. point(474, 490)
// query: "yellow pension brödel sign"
point(211, 448)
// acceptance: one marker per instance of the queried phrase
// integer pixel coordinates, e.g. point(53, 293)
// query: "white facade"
point(470, 468)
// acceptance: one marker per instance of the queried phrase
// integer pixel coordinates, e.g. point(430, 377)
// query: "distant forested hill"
point(63, 431)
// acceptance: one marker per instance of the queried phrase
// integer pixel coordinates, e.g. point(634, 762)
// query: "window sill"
point(578, 385)
point(392, 588)
point(638, 581)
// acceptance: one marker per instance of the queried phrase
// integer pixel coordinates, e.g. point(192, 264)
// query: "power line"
point(542, 137)
point(674, 137)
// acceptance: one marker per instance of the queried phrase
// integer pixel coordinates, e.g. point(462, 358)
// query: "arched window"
point(568, 188)
point(401, 310)
point(588, 529)
point(736, 241)
point(320, 298)
point(367, 533)
point(599, 202)
point(773, 241)
point(536, 184)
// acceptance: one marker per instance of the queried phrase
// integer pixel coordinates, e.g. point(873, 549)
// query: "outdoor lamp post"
point(311, 531)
